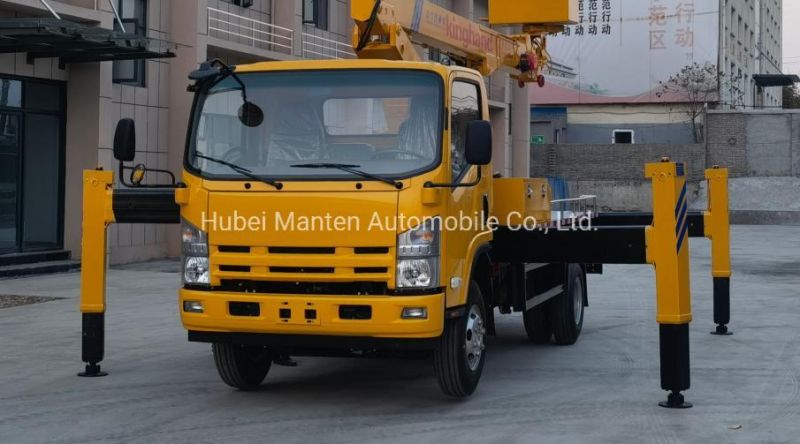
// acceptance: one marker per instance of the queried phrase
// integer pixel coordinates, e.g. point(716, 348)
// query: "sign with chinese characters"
point(620, 50)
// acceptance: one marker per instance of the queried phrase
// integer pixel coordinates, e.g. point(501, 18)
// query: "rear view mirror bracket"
point(125, 151)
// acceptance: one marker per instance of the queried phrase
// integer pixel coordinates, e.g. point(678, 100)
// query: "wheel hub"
point(577, 300)
point(475, 338)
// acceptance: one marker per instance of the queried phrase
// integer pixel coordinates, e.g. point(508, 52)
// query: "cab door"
point(466, 203)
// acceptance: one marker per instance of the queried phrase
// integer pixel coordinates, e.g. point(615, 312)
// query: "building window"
point(134, 16)
point(315, 12)
point(242, 3)
point(623, 137)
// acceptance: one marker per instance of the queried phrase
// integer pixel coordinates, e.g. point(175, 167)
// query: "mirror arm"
point(123, 168)
point(457, 185)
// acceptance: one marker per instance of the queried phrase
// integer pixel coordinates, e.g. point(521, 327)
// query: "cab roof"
point(311, 65)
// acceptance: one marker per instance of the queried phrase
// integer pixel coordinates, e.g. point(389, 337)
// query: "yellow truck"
point(349, 208)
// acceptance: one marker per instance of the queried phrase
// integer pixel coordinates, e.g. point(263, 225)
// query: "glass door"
point(10, 150)
point(41, 183)
point(31, 165)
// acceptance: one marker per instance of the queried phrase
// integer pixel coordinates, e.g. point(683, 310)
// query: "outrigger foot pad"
point(92, 371)
point(675, 401)
point(722, 330)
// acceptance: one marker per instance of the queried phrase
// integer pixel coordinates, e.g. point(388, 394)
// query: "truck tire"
point(458, 360)
point(566, 310)
point(242, 367)
point(537, 326)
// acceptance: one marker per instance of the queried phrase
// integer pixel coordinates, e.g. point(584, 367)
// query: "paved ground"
point(603, 389)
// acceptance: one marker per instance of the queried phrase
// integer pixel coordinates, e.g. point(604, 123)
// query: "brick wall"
point(755, 144)
point(727, 142)
point(611, 162)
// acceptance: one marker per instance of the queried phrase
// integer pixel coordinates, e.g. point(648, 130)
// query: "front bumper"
point(385, 320)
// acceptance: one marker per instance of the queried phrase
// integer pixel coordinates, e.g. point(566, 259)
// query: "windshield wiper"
point(241, 170)
point(352, 169)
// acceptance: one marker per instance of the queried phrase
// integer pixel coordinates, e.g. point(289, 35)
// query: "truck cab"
point(338, 207)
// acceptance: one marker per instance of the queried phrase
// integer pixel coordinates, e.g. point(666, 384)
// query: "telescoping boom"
point(397, 29)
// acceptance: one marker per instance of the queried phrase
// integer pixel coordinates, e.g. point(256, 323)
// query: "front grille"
point(301, 269)
point(303, 263)
point(310, 288)
point(368, 270)
point(233, 249)
point(371, 250)
point(235, 268)
point(301, 250)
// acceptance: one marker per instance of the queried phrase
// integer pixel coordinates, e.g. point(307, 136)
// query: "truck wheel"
point(566, 310)
point(459, 358)
point(537, 325)
point(242, 367)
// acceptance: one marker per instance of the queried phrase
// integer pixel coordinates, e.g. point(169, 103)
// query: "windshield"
point(385, 123)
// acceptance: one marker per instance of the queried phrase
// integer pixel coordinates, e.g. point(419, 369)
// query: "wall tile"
point(141, 128)
point(163, 118)
point(140, 94)
point(124, 235)
point(137, 235)
point(8, 63)
point(22, 66)
point(152, 129)
point(43, 68)
point(128, 94)
point(153, 83)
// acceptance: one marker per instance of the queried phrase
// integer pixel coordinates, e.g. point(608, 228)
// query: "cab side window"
point(465, 107)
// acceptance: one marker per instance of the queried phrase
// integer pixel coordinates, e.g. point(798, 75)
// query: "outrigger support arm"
point(714, 224)
point(102, 206)
point(662, 242)
point(98, 214)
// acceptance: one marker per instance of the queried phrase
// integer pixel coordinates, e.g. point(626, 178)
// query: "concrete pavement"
point(161, 388)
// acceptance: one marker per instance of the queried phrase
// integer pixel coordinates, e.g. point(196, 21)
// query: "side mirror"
point(478, 149)
point(125, 141)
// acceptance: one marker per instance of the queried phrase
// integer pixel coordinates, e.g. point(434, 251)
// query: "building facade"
point(751, 42)
point(654, 40)
point(59, 119)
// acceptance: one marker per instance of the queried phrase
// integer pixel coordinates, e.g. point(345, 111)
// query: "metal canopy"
point(767, 80)
point(76, 43)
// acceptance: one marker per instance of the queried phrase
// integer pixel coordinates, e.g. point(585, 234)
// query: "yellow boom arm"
point(393, 30)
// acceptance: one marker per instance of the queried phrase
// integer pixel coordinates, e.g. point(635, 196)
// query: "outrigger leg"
point(716, 223)
point(98, 213)
point(668, 252)
point(102, 206)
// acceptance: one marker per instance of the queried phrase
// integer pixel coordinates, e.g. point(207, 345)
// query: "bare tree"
point(695, 86)
point(791, 97)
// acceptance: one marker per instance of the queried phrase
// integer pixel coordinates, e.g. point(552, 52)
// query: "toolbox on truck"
point(517, 199)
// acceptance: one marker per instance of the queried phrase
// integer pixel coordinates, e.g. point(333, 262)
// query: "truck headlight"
point(196, 269)
point(418, 256)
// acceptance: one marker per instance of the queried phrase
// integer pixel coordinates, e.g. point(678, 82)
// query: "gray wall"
point(760, 146)
point(611, 162)
point(614, 173)
point(644, 133)
point(755, 144)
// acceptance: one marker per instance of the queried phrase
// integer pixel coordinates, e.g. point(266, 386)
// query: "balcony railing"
point(316, 47)
point(251, 32)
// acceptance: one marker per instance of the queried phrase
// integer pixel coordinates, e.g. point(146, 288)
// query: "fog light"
point(193, 306)
point(415, 313)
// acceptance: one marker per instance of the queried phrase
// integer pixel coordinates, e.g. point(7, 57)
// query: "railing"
point(316, 47)
point(573, 209)
point(255, 33)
